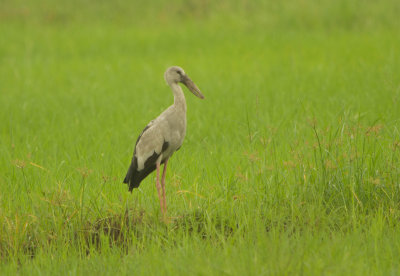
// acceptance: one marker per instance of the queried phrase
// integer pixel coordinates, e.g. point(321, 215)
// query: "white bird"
point(162, 136)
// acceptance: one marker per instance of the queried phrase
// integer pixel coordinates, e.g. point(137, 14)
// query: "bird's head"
point(175, 74)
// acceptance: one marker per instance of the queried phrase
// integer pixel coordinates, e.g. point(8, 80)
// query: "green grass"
point(290, 165)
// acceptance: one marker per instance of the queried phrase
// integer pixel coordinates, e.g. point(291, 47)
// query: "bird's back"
point(159, 139)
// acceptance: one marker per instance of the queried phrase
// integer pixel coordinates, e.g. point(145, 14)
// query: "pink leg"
point(158, 186)
point(163, 185)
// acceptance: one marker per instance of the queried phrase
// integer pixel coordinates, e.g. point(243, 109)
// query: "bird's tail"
point(134, 177)
point(129, 178)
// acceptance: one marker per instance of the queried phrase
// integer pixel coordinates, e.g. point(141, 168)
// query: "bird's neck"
point(179, 98)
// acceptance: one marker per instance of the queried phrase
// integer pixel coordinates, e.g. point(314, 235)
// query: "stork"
point(162, 136)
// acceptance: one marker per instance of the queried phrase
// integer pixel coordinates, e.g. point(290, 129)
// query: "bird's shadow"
point(121, 228)
point(199, 222)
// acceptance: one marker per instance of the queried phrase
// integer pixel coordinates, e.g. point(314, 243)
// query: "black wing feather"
point(133, 176)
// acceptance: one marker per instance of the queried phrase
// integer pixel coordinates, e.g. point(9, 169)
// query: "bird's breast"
point(175, 140)
point(172, 127)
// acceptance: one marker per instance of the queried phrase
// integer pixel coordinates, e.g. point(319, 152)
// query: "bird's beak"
point(192, 87)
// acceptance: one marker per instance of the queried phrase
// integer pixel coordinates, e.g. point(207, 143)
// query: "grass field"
point(291, 165)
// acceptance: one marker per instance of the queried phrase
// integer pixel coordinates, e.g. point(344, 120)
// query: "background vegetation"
point(290, 165)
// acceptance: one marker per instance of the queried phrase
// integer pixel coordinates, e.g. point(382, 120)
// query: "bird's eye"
point(179, 72)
